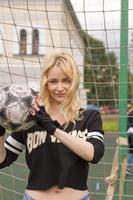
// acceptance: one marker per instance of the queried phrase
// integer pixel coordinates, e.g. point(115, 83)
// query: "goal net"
point(90, 30)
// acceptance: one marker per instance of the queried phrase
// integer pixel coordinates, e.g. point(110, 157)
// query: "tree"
point(101, 72)
point(130, 87)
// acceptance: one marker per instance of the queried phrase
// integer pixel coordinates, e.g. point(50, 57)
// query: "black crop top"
point(45, 155)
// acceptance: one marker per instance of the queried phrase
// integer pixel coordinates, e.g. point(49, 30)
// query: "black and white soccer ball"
point(15, 107)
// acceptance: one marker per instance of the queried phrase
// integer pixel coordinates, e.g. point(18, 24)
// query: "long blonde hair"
point(71, 105)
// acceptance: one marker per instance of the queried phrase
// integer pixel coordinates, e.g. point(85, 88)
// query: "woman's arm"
point(92, 147)
point(10, 149)
point(91, 150)
point(2, 149)
point(79, 146)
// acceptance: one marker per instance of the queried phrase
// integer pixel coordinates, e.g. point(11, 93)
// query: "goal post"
point(123, 96)
point(118, 172)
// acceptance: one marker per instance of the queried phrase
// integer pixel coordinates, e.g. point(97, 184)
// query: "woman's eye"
point(67, 81)
point(52, 81)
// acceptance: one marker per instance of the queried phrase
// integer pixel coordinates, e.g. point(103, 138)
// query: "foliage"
point(130, 87)
point(101, 72)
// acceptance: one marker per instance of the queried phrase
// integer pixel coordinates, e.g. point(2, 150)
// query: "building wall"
point(57, 31)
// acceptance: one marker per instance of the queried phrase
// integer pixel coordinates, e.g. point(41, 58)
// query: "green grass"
point(110, 123)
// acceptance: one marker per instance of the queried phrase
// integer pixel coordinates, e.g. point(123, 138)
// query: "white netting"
point(90, 30)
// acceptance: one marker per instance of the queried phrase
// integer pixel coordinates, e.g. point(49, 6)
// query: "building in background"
point(29, 30)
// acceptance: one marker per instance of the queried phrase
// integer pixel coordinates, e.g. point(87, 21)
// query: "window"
point(35, 42)
point(23, 42)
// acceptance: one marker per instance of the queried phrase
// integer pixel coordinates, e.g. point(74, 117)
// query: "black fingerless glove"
point(44, 120)
point(2, 130)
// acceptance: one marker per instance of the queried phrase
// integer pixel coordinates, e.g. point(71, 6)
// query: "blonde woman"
point(64, 139)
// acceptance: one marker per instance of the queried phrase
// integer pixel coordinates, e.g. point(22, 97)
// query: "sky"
point(102, 20)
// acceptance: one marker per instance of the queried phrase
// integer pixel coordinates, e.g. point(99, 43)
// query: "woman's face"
point(58, 85)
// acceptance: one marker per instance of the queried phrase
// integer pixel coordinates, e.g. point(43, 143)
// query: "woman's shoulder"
point(90, 115)
point(89, 112)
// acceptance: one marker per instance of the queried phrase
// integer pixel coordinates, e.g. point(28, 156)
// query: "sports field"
point(98, 173)
point(96, 179)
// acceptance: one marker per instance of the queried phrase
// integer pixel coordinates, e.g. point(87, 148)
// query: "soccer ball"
point(15, 106)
